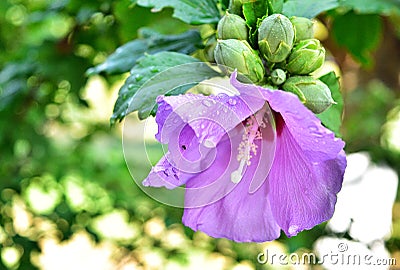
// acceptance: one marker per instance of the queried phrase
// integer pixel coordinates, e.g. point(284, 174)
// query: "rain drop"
point(232, 101)
point(312, 128)
point(315, 131)
point(207, 103)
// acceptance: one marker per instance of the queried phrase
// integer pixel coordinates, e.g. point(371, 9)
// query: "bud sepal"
point(278, 76)
point(306, 57)
point(313, 93)
point(238, 54)
point(232, 26)
point(304, 28)
point(276, 36)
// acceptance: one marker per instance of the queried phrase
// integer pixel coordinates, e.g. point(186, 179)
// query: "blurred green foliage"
point(62, 168)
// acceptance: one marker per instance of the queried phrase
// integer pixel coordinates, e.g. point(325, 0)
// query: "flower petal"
point(309, 162)
point(165, 175)
point(318, 142)
point(226, 209)
point(211, 117)
point(302, 188)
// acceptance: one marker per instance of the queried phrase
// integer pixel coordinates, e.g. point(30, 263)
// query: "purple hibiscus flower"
point(252, 164)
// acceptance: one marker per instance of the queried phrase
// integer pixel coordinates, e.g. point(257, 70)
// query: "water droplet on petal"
point(207, 102)
point(293, 229)
point(232, 101)
point(314, 130)
point(202, 126)
point(209, 143)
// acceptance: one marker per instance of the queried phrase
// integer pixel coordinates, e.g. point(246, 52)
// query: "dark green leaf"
point(152, 76)
point(224, 4)
point(360, 34)
point(13, 82)
point(307, 8)
point(190, 11)
point(124, 58)
point(385, 7)
point(332, 117)
point(253, 10)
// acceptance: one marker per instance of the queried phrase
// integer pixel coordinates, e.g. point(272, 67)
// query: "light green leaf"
point(164, 73)
point(307, 8)
point(332, 117)
point(277, 6)
point(360, 34)
point(124, 58)
point(253, 10)
point(190, 11)
point(383, 7)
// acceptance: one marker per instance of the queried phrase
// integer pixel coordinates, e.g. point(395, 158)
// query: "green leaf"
point(332, 117)
point(13, 79)
point(307, 8)
point(253, 10)
point(190, 11)
point(164, 73)
point(384, 7)
point(360, 34)
point(224, 4)
point(124, 58)
point(276, 6)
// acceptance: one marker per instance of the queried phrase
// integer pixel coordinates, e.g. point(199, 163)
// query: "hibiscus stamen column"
point(247, 147)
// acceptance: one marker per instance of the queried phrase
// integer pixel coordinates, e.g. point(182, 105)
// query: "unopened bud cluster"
point(281, 52)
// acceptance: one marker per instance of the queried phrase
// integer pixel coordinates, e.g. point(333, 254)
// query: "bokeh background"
point(67, 198)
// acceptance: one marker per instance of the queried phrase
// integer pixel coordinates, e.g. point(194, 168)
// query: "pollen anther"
point(247, 147)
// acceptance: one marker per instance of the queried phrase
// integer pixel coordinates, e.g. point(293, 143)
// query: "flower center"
point(247, 148)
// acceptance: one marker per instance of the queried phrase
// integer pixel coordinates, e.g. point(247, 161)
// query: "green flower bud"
point(238, 54)
point(235, 7)
point(270, 86)
point(278, 76)
point(307, 56)
point(313, 93)
point(304, 28)
point(232, 26)
point(276, 37)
